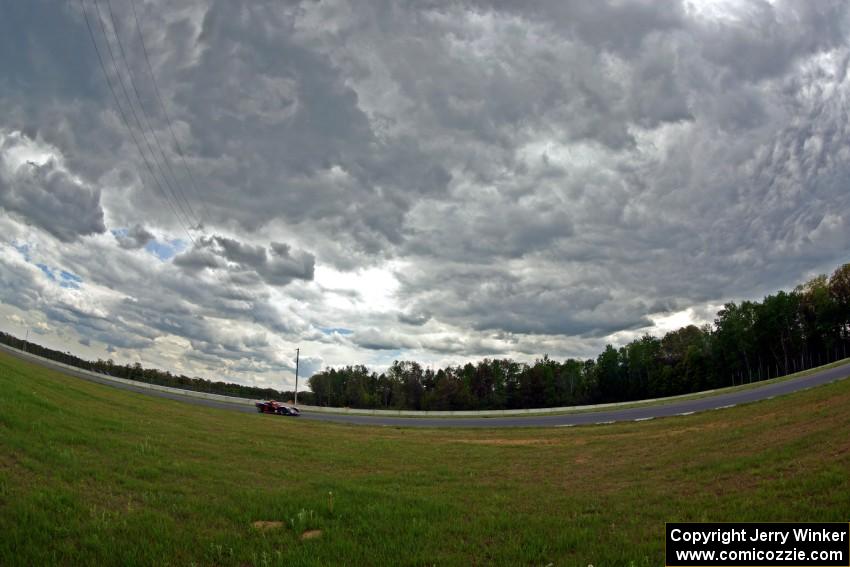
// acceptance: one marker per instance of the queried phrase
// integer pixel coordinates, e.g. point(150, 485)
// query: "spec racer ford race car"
point(277, 408)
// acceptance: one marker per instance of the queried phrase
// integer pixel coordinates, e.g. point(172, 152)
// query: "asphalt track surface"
point(644, 413)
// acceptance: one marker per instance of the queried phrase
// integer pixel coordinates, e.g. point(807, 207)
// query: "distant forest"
point(154, 376)
point(749, 341)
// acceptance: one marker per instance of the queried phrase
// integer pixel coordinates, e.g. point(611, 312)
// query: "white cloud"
point(443, 181)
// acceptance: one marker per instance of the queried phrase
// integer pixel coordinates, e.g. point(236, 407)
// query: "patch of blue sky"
point(332, 330)
point(385, 358)
point(23, 249)
point(70, 280)
point(165, 250)
point(64, 278)
point(47, 271)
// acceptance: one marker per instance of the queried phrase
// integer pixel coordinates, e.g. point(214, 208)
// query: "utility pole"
point(26, 340)
point(297, 353)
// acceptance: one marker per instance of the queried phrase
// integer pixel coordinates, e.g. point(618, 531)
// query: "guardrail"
point(492, 413)
point(96, 376)
point(83, 373)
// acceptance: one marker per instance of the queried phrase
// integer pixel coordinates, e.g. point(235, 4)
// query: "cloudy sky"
point(438, 181)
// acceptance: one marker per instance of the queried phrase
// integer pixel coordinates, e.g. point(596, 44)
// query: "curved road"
point(679, 407)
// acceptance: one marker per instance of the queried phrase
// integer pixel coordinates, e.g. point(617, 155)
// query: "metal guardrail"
point(82, 372)
point(351, 411)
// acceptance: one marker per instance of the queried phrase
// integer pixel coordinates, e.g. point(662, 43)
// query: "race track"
point(643, 413)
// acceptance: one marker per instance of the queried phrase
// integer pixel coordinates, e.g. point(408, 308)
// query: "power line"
point(176, 189)
point(126, 121)
point(168, 120)
point(133, 108)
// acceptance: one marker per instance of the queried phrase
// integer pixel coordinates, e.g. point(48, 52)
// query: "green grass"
point(94, 475)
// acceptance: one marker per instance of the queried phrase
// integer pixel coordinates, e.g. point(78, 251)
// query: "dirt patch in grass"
point(543, 437)
point(311, 534)
point(508, 442)
point(666, 432)
point(840, 449)
point(266, 525)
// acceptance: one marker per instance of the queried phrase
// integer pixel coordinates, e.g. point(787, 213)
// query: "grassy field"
point(94, 475)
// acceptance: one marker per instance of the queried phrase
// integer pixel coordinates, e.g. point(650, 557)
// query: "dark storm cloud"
point(629, 222)
point(482, 231)
point(489, 299)
point(278, 265)
point(284, 264)
point(46, 195)
point(764, 39)
point(533, 174)
point(102, 329)
point(620, 27)
point(199, 259)
point(38, 55)
point(136, 237)
point(416, 319)
point(19, 282)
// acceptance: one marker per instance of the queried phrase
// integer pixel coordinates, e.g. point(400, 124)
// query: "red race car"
point(277, 408)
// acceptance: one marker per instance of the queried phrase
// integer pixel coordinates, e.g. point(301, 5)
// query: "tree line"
point(153, 375)
point(749, 341)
